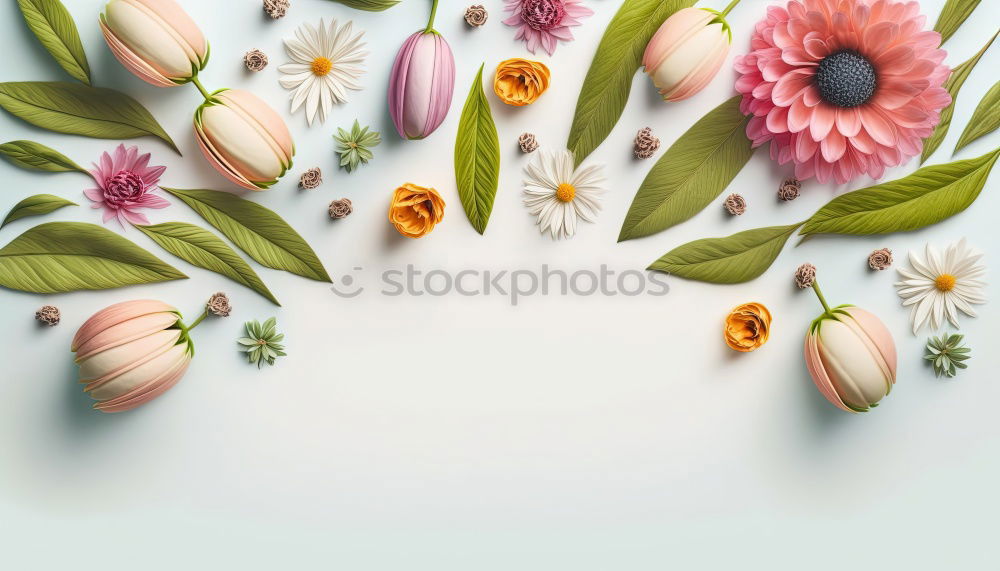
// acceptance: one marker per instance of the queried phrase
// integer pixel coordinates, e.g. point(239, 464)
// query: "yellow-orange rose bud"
point(520, 81)
point(747, 327)
point(415, 210)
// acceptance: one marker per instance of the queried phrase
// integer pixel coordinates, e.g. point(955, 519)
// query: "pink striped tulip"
point(130, 353)
point(851, 357)
point(686, 52)
point(244, 138)
point(155, 39)
point(421, 85)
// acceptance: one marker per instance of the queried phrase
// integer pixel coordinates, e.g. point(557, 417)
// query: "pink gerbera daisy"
point(843, 87)
point(543, 22)
point(125, 184)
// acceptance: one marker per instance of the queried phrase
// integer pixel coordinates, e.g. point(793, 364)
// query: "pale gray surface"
point(462, 433)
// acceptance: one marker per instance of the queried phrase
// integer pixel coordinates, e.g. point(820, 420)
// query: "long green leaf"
point(34, 206)
point(952, 15)
point(477, 156)
point(925, 197)
point(985, 119)
point(954, 83)
point(80, 110)
point(692, 173)
point(51, 23)
point(36, 156)
point(369, 5)
point(69, 256)
point(201, 248)
point(259, 232)
point(735, 259)
point(609, 79)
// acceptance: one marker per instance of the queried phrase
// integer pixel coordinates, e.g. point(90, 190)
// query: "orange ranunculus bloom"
point(747, 327)
point(415, 210)
point(520, 81)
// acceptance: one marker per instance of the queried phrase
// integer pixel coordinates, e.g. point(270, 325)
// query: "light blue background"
point(584, 433)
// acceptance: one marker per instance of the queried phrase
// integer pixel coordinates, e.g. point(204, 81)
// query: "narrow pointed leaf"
point(477, 156)
point(259, 232)
point(692, 173)
point(985, 119)
point(68, 256)
point(35, 206)
point(925, 197)
point(201, 248)
point(369, 5)
point(36, 156)
point(606, 88)
point(952, 15)
point(55, 29)
point(954, 83)
point(80, 110)
point(734, 259)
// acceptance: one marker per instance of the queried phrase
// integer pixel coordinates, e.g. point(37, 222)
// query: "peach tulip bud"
point(421, 85)
point(155, 39)
point(686, 52)
point(130, 353)
point(851, 357)
point(244, 138)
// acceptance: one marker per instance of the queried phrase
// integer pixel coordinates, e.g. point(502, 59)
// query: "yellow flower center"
point(566, 192)
point(321, 66)
point(945, 282)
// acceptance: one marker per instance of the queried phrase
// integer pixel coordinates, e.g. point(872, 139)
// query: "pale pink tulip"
point(130, 353)
point(155, 39)
point(851, 357)
point(244, 138)
point(686, 52)
point(421, 85)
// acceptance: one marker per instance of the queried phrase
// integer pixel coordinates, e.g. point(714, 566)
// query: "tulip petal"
point(115, 314)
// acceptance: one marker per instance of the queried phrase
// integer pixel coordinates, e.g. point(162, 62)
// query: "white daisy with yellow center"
point(559, 195)
point(939, 286)
point(326, 63)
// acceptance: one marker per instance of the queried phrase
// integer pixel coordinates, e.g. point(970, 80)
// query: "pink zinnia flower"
point(125, 183)
point(542, 22)
point(843, 87)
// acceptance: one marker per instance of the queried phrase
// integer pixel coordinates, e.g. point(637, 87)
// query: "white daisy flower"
point(941, 286)
point(326, 62)
point(558, 195)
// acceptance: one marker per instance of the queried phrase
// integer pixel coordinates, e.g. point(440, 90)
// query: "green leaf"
point(985, 119)
point(952, 85)
point(80, 110)
point(34, 206)
point(201, 248)
point(952, 15)
point(925, 197)
point(692, 173)
point(51, 23)
point(259, 232)
point(36, 156)
point(609, 79)
point(369, 5)
point(477, 156)
point(69, 256)
point(735, 259)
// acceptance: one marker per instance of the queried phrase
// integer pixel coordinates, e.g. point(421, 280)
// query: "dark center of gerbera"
point(123, 187)
point(846, 79)
point(542, 15)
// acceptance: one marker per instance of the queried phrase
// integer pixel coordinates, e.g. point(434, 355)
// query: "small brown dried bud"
point(255, 60)
point(311, 179)
point(218, 305)
point(476, 15)
point(276, 8)
point(340, 208)
point(735, 204)
point(527, 142)
point(805, 276)
point(645, 144)
point(48, 314)
point(880, 259)
point(789, 189)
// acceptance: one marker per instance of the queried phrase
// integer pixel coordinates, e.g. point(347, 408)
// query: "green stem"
point(729, 8)
point(822, 300)
point(201, 88)
point(201, 317)
point(430, 23)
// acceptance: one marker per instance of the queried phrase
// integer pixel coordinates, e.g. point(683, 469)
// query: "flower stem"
point(201, 88)
point(822, 300)
point(430, 23)
point(729, 8)
point(201, 317)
